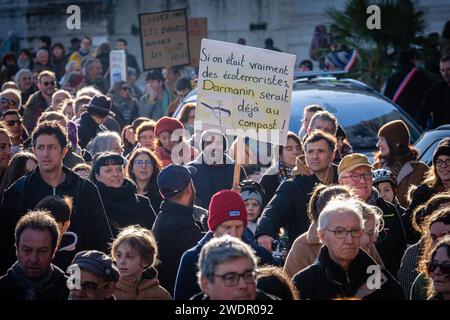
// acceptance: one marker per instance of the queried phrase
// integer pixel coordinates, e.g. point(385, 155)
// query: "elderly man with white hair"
point(342, 269)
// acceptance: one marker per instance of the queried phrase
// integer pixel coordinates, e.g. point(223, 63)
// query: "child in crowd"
point(61, 209)
point(386, 185)
point(253, 195)
point(135, 254)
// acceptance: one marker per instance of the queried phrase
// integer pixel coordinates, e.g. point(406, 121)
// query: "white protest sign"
point(117, 66)
point(242, 87)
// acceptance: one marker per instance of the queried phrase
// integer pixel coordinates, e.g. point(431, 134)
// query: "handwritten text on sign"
point(241, 87)
point(164, 39)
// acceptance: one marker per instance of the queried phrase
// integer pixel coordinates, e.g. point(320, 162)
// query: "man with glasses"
point(227, 268)
point(9, 99)
point(40, 100)
point(227, 216)
point(342, 270)
point(355, 171)
point(93, 276)
point(12, 121)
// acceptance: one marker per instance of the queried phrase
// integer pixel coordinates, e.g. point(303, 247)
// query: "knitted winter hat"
point(395, 131)
point(167, 124)
point(226, 205)
point(442, 149)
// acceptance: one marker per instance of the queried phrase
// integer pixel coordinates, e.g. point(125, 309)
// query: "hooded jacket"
point(147, 288)
point(186, 285)
point(88, 219)
point(325, 280)
point(210, 179)
point(124, 207)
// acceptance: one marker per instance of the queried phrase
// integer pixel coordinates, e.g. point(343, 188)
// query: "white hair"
point(340, 205)
point(374, 212)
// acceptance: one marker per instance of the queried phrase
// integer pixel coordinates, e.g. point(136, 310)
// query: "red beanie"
point(226, 205)
point(167, 124)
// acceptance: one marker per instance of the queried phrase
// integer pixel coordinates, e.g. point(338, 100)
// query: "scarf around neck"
point(32, 287)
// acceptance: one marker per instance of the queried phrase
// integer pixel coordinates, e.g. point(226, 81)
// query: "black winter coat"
point(270, 183)
point(437, 100)
point(288, 207)
point(419, 196)
point(211, 179)
point(413, 94)
point(55, 290)
point(325, 279)
point(391, 242)
point(88, 219)
point(176, 231)
point(87, 129)
point(124, 207)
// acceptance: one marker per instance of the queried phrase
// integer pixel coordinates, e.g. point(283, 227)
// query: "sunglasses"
point(92, 286)
point(126, 89)
point(445, 267)
point(49, 83)
point(7, 101)
point(11, 123)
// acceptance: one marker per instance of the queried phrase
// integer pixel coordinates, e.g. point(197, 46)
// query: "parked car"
point(428, 141)
point(360, 110)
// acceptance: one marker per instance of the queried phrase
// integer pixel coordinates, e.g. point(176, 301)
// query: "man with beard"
point(287, 208)
point(40, 100)
point(33, 276)
point(176, 229)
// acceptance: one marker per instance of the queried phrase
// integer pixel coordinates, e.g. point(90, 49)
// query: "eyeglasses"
point(92, 286)
point(140, 163)
point(440, 163)
point(11, 123)
point(7, 101)
point(48, 83)
point(445, 267)
point(126, 89)
point(232, 279)
point(357, 177)
point(342, 233)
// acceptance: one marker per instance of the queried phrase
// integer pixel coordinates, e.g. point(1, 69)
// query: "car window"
point(427, 156)
point(360, 113)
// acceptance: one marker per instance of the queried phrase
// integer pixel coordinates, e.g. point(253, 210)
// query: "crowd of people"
point(106, 195)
